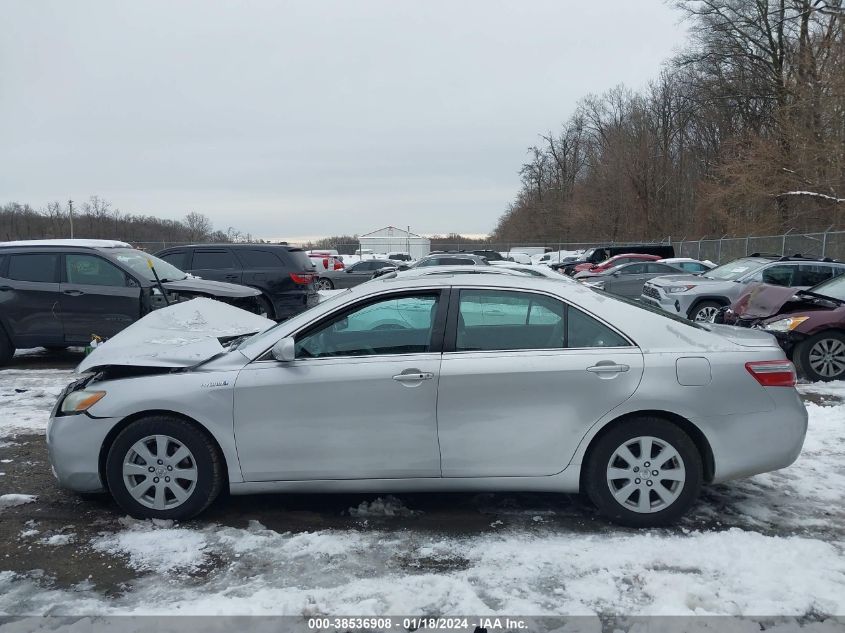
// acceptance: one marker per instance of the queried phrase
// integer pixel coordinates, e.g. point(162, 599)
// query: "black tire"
point(206, 459)
point(831, 340)
point(710, 306)
point(324, 283)
point(265, 307)
point(598, 488)
point(7, 350)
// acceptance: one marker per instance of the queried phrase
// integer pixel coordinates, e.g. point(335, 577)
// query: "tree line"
point(741, 133)
point(98, 219)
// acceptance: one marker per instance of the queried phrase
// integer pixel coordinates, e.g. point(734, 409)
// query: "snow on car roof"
point(69, 242)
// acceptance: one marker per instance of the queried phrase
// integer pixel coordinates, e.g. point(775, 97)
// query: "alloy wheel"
point(160, 472)
point(324, 284)
point(827, 357)
point(646, 474)
point(707, 313)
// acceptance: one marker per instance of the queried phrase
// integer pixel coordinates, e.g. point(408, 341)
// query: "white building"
point(391, 239)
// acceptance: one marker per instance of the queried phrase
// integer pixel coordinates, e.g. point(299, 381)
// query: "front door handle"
point(73, 293)
point(608, 367)
point(413, 376)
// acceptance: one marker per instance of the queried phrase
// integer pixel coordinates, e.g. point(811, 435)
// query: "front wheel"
point(821, 357)
point(163, 467)
point(645, 472)
point(705, 311)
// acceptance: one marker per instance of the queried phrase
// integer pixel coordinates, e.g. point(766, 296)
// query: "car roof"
point(79, 243)
point(286, 247)
point(452, 271)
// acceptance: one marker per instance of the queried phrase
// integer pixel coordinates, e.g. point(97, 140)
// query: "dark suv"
point(284, 274)
point(58, 293)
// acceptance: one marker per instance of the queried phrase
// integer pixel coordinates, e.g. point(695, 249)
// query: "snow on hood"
point(180, 335)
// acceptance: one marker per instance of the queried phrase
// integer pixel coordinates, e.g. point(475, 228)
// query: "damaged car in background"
point(61, 293)
point(808, 324)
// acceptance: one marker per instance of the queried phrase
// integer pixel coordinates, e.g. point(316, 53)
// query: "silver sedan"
point(460, 382)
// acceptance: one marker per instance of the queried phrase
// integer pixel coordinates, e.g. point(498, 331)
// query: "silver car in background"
point(438, 383)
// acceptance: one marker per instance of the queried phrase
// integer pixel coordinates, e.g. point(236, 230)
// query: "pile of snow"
point(27, 396)
point(11, 500)
point(390, 506)
point(150, 547)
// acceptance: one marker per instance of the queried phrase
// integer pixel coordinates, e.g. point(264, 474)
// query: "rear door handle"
point(414, 377)
point(73, 293)
point(608, 368)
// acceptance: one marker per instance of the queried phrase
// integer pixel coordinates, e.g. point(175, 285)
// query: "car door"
point(523, 377)
point(354, 275)
point(626, 280)
point(97, 297)
point(29, 298)
point(358, 402)
point(218, 264)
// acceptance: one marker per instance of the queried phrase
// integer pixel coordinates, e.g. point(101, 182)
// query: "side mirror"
point(284, 350)
point(404, 267)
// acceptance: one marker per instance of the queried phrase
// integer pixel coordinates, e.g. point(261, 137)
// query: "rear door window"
point(812, 274)
point(214, 260)
point(37, 267)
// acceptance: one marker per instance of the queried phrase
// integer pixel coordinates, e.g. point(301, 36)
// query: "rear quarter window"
point(258, 259)
point(299, 260)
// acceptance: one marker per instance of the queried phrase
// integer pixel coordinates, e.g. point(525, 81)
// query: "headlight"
point(79, 401)
point(785, 325)
point(677, 289)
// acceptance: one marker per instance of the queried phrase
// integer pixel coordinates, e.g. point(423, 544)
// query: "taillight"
point(338, 265)
point(772, 373)
point(325, 263)
point(302, 278)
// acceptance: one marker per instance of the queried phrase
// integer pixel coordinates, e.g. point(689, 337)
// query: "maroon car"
point(808, 324)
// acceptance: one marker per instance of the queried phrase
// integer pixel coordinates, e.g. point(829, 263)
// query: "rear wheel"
point(163, 467)
point(265, 308)
point(705, 311)
point(325, 284)
point(7, 350)
point(822, 356)
point(644, 472)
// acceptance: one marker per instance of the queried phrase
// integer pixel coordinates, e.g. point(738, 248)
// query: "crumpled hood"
point(762, 300)
point(181, 335)
point(216, 288)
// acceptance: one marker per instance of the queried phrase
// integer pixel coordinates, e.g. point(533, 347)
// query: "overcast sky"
point(295, 119)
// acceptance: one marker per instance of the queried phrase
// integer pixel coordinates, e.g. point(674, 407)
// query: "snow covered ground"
point(769, 545)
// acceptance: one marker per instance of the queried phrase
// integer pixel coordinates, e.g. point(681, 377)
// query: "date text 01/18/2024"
point(474, 625)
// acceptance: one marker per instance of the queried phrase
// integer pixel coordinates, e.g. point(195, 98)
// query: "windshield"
point(735, 269)
point(137, 261)
point(833, 288)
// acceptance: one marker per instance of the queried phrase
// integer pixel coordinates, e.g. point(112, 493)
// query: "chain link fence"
point(829, 243)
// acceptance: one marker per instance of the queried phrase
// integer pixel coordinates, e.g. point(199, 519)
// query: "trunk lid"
point(746, 337)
